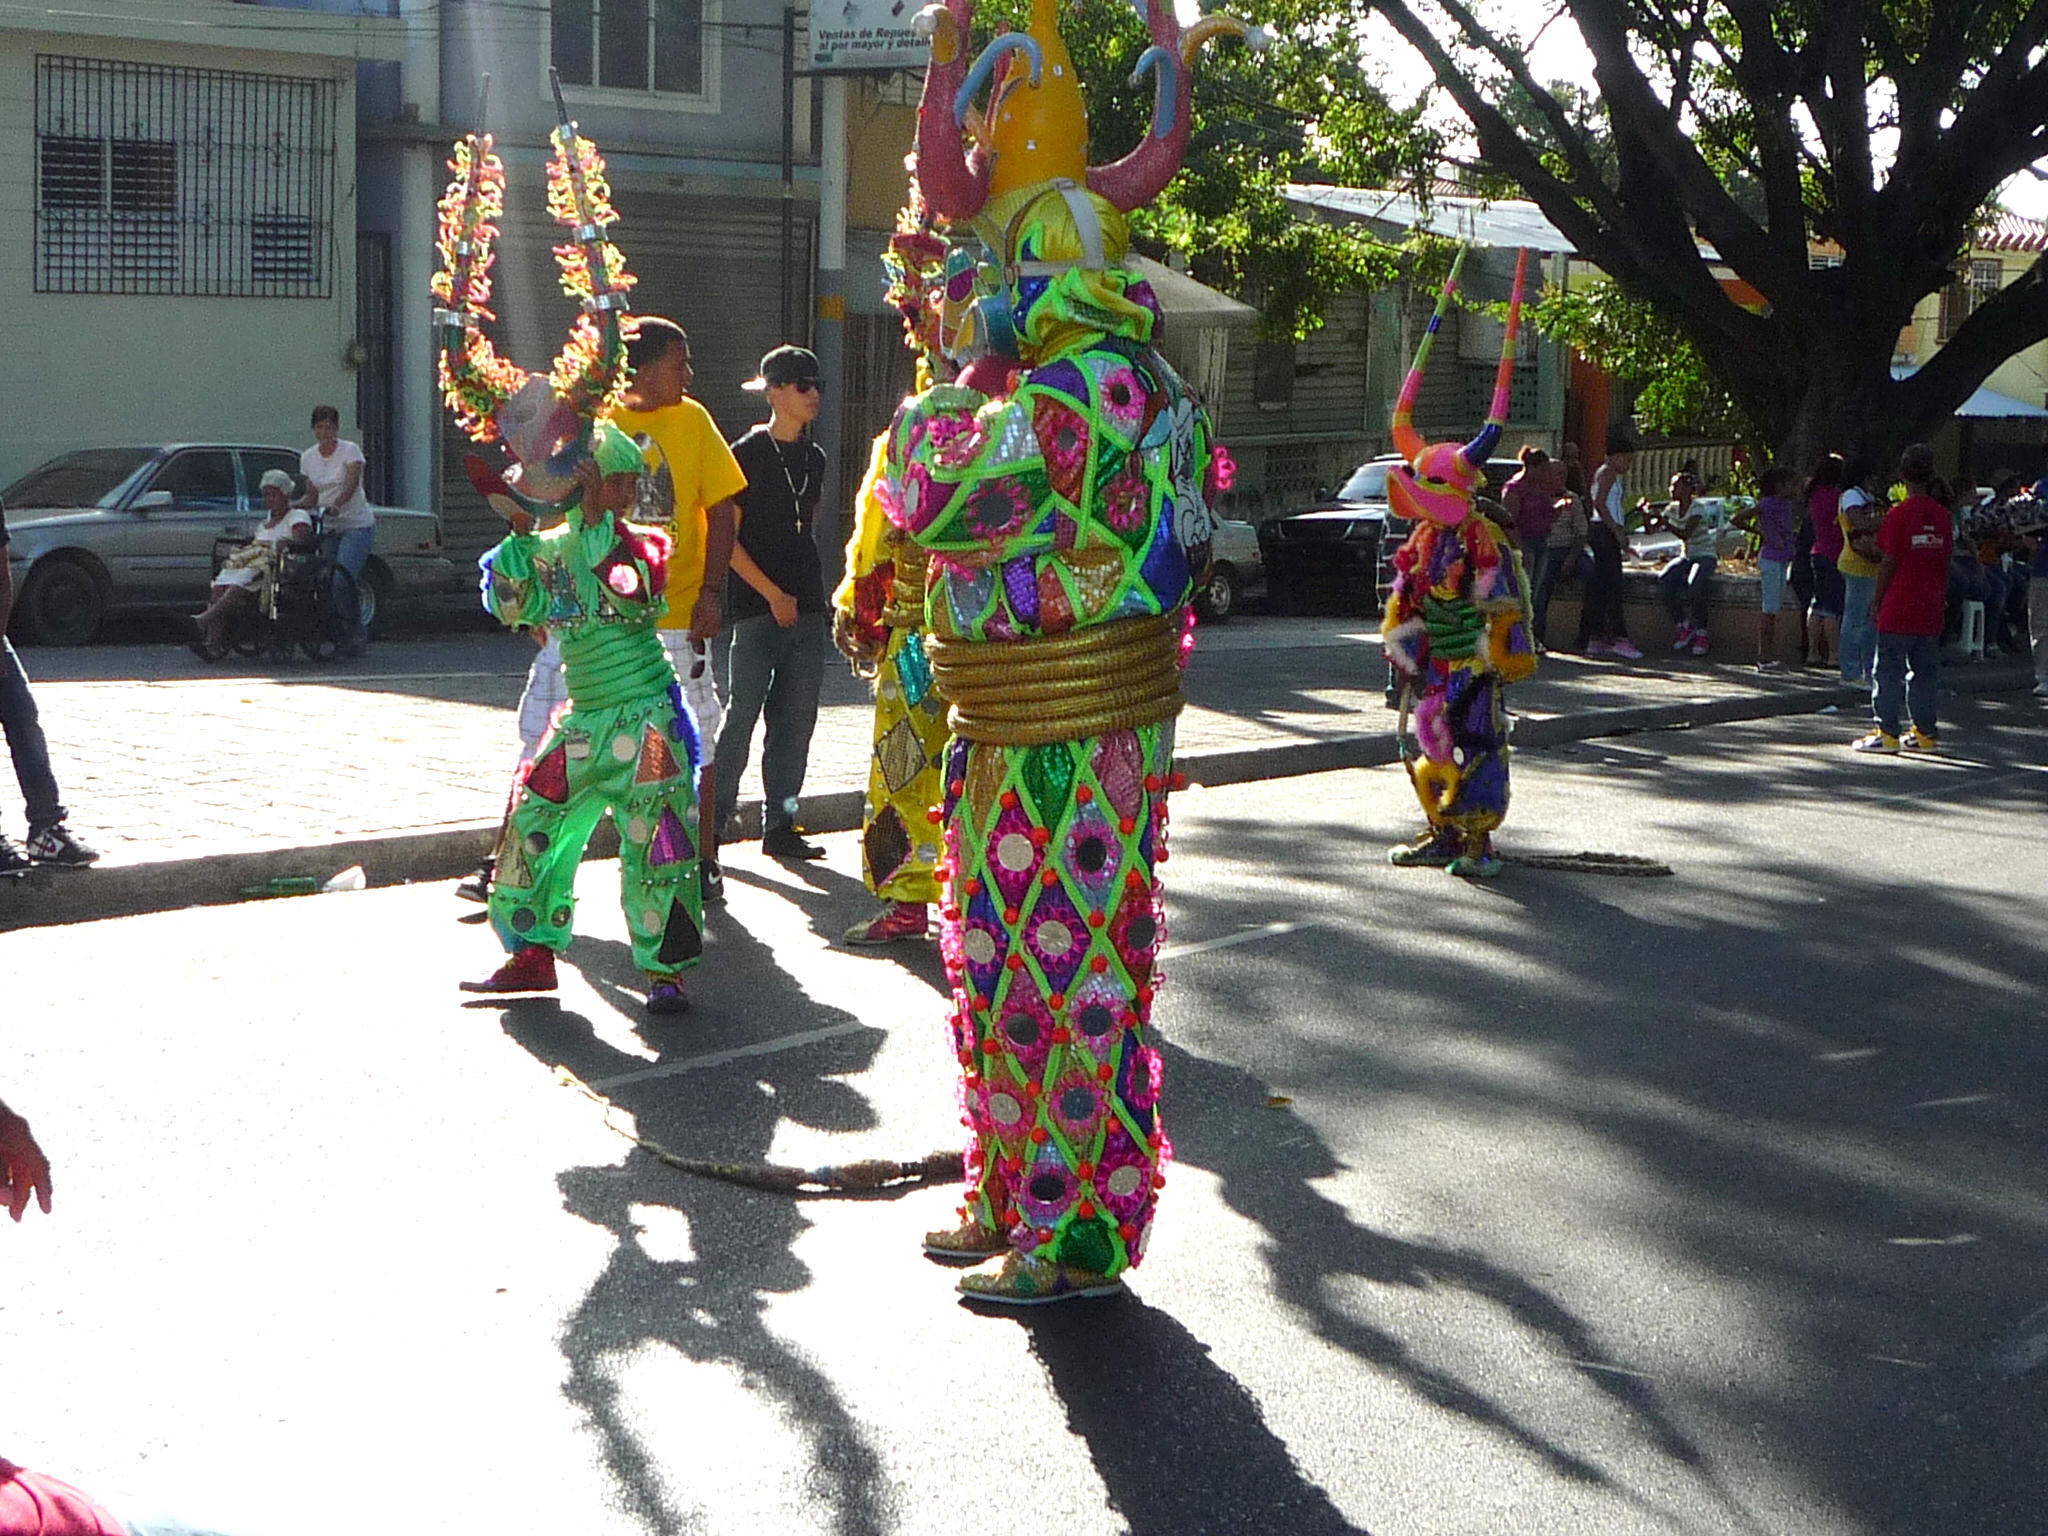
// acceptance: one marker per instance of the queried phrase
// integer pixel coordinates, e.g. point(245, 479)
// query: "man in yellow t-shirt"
point(689, 489)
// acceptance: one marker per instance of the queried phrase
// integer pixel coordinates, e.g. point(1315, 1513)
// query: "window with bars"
point(1976, 283)
point(654, 46)
point(154, 179)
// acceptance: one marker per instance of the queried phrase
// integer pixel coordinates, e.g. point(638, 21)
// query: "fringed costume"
point(1457, 626)
point(626, 742)
point(1067, 518)
point(880, 612)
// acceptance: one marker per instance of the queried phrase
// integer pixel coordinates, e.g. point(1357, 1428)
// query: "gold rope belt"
point(1086, 682)
point(905, 609)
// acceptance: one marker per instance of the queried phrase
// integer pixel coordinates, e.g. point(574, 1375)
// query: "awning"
point(1985, 404)
point(1508, 222)
point(1187, 302)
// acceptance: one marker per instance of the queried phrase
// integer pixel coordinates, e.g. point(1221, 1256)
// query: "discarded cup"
point(350, 879)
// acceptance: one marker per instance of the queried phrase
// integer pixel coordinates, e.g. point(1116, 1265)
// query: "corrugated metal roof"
point(1984, 404)
point(1507, 222)
point(1188, 302)
point(2013, 232)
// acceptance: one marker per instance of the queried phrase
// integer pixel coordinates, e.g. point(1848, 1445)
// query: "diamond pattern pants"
point(1053, 926)
point(899, 844)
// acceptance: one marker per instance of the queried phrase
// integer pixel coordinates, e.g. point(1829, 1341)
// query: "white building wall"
point(84, 369)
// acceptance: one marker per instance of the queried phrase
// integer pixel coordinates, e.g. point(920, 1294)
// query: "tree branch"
point(2010, 320)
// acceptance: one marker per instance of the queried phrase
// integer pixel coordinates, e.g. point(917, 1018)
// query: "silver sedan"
point(116, 530)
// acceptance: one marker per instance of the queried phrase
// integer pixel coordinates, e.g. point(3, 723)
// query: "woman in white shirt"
point(333, 468)
point(246, 576)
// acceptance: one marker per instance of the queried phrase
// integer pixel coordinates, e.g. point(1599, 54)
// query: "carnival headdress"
point(1438, 481)
point(544, 421)
point(1034, 131)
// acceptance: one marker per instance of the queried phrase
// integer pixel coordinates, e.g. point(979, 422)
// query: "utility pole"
point(789, 331)
point(831, 306)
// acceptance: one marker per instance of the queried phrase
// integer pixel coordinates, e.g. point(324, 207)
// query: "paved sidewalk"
point(197, 781)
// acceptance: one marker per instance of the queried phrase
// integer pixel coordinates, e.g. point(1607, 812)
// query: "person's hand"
point(519, 520)
point(590, 480)
point(707, 617)
point(783, 606)
point(23, 1168)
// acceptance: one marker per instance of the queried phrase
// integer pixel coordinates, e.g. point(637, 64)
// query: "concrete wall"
point(90, 369)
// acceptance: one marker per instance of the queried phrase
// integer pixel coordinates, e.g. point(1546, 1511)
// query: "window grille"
point(1961, 299)
point(629, 45)
point(154, 179)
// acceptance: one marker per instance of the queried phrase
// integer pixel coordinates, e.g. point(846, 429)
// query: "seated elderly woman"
point(247, 576)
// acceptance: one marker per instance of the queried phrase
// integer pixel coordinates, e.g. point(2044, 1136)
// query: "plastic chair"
point(1973, 630)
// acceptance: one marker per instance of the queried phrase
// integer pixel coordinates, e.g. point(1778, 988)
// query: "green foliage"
point(1639, 343)
point(1296, 112)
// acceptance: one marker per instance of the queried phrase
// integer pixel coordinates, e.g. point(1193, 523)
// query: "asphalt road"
point(1567, 1204)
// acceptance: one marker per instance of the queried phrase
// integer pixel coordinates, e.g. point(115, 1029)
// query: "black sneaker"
point(788, 843)
point(56, 845)
point(12, 860)
point(711, 881)
point(477, 887)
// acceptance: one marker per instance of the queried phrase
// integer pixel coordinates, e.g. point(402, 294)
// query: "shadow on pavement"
point(708, 1308)
point(1180, 1445)
point(1824, 1084)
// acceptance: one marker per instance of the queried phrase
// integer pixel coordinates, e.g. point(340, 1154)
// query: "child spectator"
point(1687, 580)
point(1913, 547)
point(1773, 518)
point(1823, 503)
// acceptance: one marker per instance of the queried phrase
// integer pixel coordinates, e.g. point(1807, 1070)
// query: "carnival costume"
point(625, 742)
point(878, 622)
point(1457, 625)
point(1067, 521)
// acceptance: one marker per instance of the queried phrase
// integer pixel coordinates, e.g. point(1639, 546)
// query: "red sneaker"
point(898, 920)
point(530, 969)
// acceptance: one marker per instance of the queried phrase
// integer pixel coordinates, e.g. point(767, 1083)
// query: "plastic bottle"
point(285, 885)
point(350, 879)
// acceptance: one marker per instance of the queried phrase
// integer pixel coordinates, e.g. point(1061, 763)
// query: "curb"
point(44, 897)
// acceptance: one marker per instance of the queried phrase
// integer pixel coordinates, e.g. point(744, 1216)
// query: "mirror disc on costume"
point(1054, 937)
point(624, 748)
point(1124, 1182)
point(1047, 1187)
point(523, 920)
point(1005, 1110)
point(1142, 932)
point(1096, 1021)
point(1014, 852)
point(979, 946)
point(1090, 855)
point(1021, 1028)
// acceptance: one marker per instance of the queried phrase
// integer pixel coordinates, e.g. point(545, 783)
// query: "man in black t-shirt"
point(774, 647)
point(49, 840)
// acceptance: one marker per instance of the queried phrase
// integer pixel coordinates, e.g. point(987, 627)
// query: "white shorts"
point(547, 690)
point(692, 661)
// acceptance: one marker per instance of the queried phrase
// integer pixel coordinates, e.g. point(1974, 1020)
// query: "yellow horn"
point(1039, 133)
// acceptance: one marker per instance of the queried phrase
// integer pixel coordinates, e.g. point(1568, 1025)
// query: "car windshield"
point(1368, 482)
point(84, 479)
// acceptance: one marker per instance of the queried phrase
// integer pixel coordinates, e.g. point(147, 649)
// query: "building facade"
point(181, 178)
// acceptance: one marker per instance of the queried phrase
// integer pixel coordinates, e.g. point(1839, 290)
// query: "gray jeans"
point(774, 673)
point(31, 753)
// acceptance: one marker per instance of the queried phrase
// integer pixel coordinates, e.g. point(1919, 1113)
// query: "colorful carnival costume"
point(879, 620)
point(1457, 626)
point(1067, 521)
point(878, 614)
point(626, 742)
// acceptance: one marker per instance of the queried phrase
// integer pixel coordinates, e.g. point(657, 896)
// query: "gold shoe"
point(968, 1243)
point(1022, 1282)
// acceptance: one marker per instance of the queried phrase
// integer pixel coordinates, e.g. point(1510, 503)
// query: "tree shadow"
point(709, 1308)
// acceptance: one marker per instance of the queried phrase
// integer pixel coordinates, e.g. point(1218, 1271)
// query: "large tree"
point(1885, 126)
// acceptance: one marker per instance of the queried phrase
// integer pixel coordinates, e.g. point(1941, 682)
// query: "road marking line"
point(836, 1031)
point(1232, 940)
point(1961, 1098)
point(737, 1053)
point(1861, 1053)
point(1611, 1370)
point(1956, 1240)
point(1917, 1365)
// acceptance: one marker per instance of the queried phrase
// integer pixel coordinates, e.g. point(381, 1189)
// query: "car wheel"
point(372, 592)
point(62, 603)
point(1217, 600)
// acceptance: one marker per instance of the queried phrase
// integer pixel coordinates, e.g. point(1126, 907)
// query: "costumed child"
point(1067, 523)
point(878, 623)
point(1457, 624)
point(626, 742)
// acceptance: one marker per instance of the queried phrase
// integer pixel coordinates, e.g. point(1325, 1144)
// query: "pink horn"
point(953, 179)
point(1142, 175)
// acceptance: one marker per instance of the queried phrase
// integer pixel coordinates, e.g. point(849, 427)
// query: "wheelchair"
point(310, 606)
